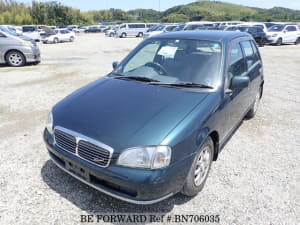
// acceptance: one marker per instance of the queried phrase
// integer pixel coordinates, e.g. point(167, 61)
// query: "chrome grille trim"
point(83, 147)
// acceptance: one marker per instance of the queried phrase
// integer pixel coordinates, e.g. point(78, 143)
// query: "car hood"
point(125, 114)
point(26, 38)
point(271, 33)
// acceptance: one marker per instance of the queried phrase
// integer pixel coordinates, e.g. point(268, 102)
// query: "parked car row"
point(263, 33)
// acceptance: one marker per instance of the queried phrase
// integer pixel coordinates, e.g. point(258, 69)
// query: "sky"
point(165, 4)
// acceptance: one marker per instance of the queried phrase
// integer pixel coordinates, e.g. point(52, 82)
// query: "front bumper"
point(32, 54)
point(271, 40)
point(136, 186)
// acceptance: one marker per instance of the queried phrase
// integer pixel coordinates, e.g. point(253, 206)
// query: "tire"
point(71, 39)
point(196, 179)
point(15, 59)
point(279, 42)
point(123, 35)
point(297, 41)
point(262, 43)
point(252, 112)
point(36, 63)
point(55, 40)
point(140, 34)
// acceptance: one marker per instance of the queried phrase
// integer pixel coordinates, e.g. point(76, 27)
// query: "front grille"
point(65, 141)
point(83, 147)
point(93, 153)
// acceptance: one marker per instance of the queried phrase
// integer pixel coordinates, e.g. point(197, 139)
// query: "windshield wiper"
point(137, 78)
point(184, 84)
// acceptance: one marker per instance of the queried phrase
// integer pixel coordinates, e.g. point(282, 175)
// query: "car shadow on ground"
point(95, 202)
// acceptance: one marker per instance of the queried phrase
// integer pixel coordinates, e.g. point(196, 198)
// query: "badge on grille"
point(98, 160)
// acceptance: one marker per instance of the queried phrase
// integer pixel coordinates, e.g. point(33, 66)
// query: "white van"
point(132, 29)
point(32, 32)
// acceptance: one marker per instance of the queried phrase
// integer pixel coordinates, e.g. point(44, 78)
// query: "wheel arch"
point(214, 135)
point(14, 50)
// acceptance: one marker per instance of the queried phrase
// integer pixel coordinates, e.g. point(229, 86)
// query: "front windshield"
point(276, 28)
point(179, 28)
point(160, 28)
point(8, 31)
point(242, 29)
point(153, 28)
point(175, 61)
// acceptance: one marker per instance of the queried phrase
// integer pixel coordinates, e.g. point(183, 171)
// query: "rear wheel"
point(200, 168)
point(123, 35)
point(71, 39)
point(140, 34)
point(279, 42)
point(252, 112)
point(297, 41)
point(55, 40)
point(15, 58)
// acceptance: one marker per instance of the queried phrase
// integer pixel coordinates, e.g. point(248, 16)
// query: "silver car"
point(17, 52)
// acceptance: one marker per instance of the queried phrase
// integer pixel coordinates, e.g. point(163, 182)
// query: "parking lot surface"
point(256, 179)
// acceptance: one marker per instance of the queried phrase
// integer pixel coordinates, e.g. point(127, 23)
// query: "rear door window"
point(249, 54)
point(236, 61)
point(291, 28)
point(255, 50)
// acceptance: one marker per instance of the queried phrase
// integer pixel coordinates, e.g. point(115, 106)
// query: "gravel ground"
point(255, 180)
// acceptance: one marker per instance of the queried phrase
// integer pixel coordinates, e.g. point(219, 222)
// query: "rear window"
point(28, 29)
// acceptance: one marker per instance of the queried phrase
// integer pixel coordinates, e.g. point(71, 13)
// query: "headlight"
point(49, 125)
point(150, 157)
point(274, 35)
point(26, 43)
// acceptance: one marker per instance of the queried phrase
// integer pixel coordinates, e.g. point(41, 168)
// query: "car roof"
point(204, 35)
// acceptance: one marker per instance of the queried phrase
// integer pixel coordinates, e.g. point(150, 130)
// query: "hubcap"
point(202, 166)
point(15, 59)
point(256, 102)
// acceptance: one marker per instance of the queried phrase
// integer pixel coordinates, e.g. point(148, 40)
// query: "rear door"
point(132, 30)
point(254, 69)
point(234, 102)
point(290, 34)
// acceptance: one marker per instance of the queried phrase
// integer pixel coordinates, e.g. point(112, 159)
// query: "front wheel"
point(123, 35)
point(297, 41)
point(279, 42)
point(15, 58)
point(200, 168)
point(55, 40)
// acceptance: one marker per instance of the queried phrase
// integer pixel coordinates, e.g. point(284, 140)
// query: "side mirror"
point(115, 64)
point(239, 82)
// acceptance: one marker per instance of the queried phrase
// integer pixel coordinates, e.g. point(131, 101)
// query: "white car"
point(283, 33)
point(58, 35)
point(160, 29)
